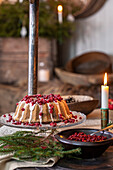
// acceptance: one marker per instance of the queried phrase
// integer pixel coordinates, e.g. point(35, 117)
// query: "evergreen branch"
point(77, 151)
point(27, 145)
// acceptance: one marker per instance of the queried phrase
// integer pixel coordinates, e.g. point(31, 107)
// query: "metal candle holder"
point(33, 46)
point(104, 117)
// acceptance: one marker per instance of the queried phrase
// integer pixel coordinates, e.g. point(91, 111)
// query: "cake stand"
point(79, 118)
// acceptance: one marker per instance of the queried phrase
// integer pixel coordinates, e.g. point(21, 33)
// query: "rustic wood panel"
point(14, 57)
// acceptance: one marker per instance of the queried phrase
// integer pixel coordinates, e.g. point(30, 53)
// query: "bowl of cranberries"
point(81, 103)
point(92, 146)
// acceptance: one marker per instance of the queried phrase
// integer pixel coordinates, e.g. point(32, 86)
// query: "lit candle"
point(60, 18)
point(104, 93)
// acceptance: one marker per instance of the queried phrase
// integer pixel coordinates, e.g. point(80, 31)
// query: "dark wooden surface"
point(105, 162)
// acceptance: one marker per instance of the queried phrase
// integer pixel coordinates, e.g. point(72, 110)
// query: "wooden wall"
point(14, 57)
point(94, 33)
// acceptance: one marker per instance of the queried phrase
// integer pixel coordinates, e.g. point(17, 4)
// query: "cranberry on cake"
point(42, 109)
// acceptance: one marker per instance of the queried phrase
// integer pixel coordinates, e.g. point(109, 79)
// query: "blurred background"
point(75, 48)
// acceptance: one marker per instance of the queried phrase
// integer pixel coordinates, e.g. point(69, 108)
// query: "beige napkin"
point(8, 163)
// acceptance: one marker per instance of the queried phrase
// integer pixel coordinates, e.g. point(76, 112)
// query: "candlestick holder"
point(104, 117)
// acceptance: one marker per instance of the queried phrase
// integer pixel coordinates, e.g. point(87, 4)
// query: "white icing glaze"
point(31, 111)
point(20, 104)
point(40, 117)
point(49, 112)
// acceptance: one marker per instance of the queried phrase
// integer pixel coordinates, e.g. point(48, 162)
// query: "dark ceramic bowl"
point(88, 149)
point(83, 104)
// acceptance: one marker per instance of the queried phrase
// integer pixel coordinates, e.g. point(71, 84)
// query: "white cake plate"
point(80, 119)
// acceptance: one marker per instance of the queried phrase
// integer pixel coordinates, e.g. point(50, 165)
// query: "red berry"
point(75, 116)
point(23, 109)
point(40, 113)
point(51, 111)
point(66, 121)
point(43, 147)
point(4, 115)
point(53, 124)
point(36, 124)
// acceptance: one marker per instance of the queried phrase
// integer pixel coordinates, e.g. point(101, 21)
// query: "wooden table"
point(105, 162)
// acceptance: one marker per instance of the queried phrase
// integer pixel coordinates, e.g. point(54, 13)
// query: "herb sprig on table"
point(27, 145)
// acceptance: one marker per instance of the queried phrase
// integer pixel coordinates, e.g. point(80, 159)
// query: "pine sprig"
point(27, 145)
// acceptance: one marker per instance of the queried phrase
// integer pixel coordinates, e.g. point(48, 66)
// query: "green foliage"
point(28, 145)
point(13, 16)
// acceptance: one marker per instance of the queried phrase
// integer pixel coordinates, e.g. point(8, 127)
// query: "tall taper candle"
point(60, 17)
point(104, 103)
point(104, 94)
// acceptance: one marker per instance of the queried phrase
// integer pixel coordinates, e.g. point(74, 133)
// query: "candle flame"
point(60, 8)
point(105, 79)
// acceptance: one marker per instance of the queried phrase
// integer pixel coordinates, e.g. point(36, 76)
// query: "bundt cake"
point(42, 109)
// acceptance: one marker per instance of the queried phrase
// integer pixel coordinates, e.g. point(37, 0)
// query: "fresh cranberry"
point(110, 104)
point(23, 109)
point(86, 138)
point(51, 111)
point(32, 124)
point(32, 103)
point(40, 113)
point(39, 95)
point(44, 102)
point(75, 116)
point(66, 121)
point(10, 119)
point(43, 147)
point(36, 124)
point(60, 115)
point(17, 104)
point(59, 98)
point(4, 115)
point(47, 101)
point(53, 124)
point(51, 99)
point(72, 120)
point(46, 97)
point(52, 106)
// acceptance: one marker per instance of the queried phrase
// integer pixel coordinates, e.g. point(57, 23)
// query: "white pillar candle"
point(104, 93)
point(44, 75)
point(60, 17)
